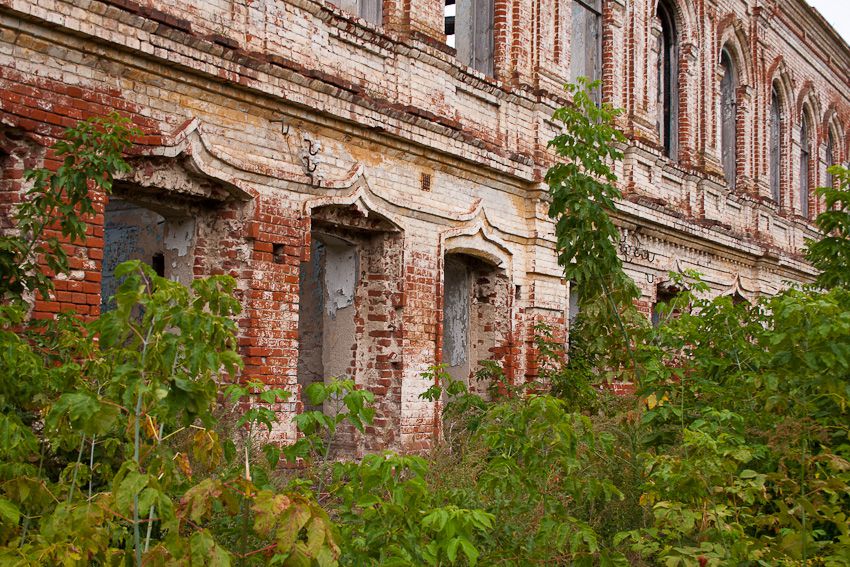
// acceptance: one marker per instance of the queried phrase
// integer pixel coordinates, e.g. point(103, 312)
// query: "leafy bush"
point(130, 439)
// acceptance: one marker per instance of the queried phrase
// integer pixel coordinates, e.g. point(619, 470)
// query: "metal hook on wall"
point(310, 149)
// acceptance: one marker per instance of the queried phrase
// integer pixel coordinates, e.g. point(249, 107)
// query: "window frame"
point(805, 163)
point(592, 21)
point(729, 118)
point(775, 145)
point(668, 80)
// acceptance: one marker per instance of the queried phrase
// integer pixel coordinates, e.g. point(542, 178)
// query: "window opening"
point(668, 81)
point(472, 37)
point(805, 156)
point(729, 119)
point(830, 158)
point(586, 41)
point(663, 296)
point(775, 145)
point(476, 316)
point(369, 10)
point(134, 232)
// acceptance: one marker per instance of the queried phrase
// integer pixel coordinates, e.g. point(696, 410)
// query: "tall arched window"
point(668, 80)
point(729, 119)
point(775, 149)
point(805, 156)
point(830, 157)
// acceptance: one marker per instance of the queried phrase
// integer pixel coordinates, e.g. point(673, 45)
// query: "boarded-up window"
point(729, 119)
point(369, 10)
point(473, 34)
point(668, 81)
point(805, 156)
point(775, 152)
point(586, 40)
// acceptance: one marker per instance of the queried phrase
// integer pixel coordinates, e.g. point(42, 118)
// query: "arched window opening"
point(476, 316)
point(661, 309)
point(830, 158)
point(775, 151)
point(164, 240)
point(469, 29)
point(348, 316)
point(729, 120)
point(805, 169)
point(668, 81)
point(586, 40)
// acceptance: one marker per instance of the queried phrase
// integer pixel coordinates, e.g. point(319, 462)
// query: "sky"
point(837, 13)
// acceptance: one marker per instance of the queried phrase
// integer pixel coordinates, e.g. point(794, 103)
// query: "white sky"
point(837, 13)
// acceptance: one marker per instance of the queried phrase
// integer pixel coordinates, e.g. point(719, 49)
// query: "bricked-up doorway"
point(349, 322)
point(476, 316)
point(162, 239)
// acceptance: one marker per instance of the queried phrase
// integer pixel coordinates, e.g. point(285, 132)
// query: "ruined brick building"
point(371, 171)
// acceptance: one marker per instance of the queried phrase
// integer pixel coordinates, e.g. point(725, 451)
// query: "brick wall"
point(256, 114)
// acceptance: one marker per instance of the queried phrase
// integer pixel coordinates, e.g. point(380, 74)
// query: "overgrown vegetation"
point(129, 440)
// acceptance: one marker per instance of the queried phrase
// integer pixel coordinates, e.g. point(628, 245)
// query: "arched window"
point(775, 151)
point(668, 81)
point(805, 156)
point(729, 119)
point(830, 157)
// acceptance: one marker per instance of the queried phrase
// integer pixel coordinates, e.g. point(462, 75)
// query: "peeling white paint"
point(179, 236)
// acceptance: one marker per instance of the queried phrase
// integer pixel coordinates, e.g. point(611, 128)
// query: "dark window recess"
point(278, 253)
point(729, 120)
point(471, 24)
point(664, 295)
point(158, 264)
point(775, 146)
point(586, 41)
point(668, 81)
point(805, 157)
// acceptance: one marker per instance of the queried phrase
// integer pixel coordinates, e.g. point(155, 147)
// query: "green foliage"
point(58, 201)
point(107, 424)
point(583, 194)
point(345, 404)
point(831, 252)
point(130, 439)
